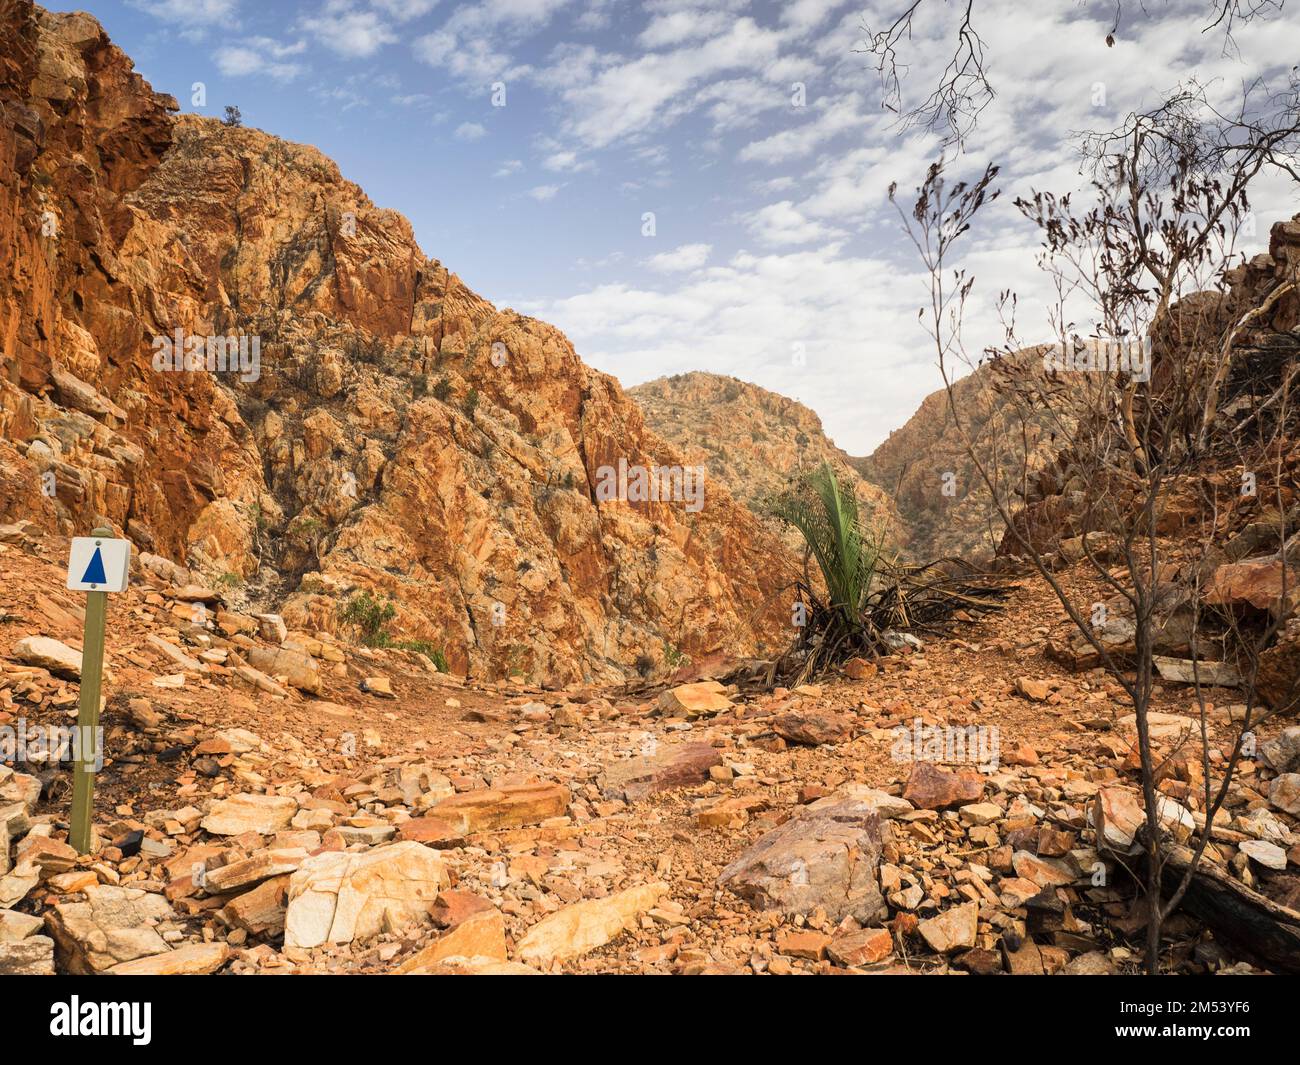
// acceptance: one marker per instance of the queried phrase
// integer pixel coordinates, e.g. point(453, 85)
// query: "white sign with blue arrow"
point(99, 564)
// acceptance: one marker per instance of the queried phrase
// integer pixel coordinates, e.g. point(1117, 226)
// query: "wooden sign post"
point(98, 564)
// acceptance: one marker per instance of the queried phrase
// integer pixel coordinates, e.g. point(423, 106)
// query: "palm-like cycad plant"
point(847, 553)
point(863, 593)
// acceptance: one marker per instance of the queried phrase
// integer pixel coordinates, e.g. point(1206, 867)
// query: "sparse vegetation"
point(859, 594)
point(308, 526)
point(370, 616)
point(424, 647)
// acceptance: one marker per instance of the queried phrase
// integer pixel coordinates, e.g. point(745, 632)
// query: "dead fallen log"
point(1258, 928)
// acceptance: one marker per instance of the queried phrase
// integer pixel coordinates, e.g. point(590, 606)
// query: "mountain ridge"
point(402, 437)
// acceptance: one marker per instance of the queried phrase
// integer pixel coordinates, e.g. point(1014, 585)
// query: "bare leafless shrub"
point(1143, 487)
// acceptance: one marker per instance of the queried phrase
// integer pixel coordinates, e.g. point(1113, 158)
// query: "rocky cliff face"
point(753, 441)
point(352, 418)
point(925, 468)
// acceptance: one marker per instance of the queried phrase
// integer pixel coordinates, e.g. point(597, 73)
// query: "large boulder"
point(114, 925)
point(827, 854)
point(339, 896)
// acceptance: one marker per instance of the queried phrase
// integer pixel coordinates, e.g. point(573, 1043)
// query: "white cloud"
point(822, 121)
point(542, 193)
point(628, 97)
point(405, 10)
point(736, 103)
point(470, 131)
point(347, 31)
point(510, 166)
point(689, 24)
point(260, 55)
point(190, 12)
point(851, 319)
point(783, 223)
point(595, 16)
point(685, 257)
point(566, 162)
point(806, 15)
point(472, 44)
point(471, 60)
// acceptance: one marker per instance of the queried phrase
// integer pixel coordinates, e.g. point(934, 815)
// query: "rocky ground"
point(277, 801)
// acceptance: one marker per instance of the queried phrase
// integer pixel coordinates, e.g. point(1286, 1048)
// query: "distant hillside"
point(925, 470)
point(753, 441)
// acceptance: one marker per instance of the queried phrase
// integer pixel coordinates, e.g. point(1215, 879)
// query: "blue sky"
point(775, 255)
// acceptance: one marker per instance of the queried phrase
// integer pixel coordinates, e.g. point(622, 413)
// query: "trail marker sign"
point(99, 564)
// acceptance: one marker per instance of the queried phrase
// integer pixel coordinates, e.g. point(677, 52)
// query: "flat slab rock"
point(677, 765)
point(932, 788)
point(826, 855)
point(952, 930)
point(33, 956)
point(338, 896)
point(480, 937)
point(585, 926)
point(694, 700)
point(260, 910)
point(511, 806)
point(49, 654)
point(250, 813)
point(192, 959)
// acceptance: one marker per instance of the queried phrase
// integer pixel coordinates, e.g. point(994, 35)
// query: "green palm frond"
point(863, 593)
point(847, 553)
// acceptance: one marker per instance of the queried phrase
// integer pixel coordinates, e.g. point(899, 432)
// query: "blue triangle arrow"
point(95, 571)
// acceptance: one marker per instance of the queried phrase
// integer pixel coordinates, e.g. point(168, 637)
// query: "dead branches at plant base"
point(925, 599)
